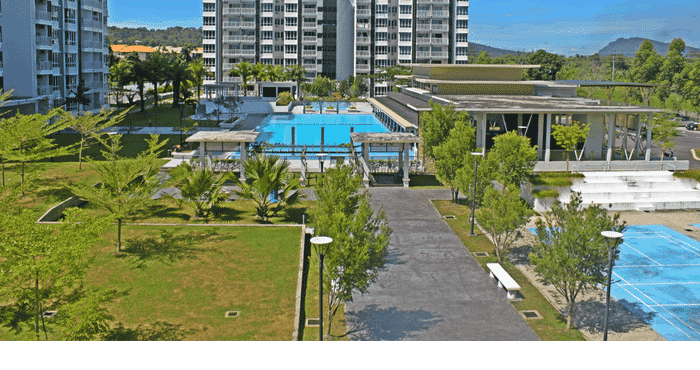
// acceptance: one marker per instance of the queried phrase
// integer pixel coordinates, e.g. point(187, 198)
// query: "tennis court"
point(658, 278)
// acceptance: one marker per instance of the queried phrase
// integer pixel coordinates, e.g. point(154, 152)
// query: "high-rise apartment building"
point(334, 38)
point(47, 47)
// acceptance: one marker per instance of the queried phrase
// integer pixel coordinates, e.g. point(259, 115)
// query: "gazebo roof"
point(384, 137)
point(224, 137)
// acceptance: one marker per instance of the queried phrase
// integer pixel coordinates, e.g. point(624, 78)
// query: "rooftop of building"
point(474, 66)
point(132, 48)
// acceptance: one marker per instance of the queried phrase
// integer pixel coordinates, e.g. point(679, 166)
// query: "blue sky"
point(565, 26)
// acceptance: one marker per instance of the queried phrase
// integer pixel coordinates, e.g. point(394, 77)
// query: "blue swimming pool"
point(277, 129)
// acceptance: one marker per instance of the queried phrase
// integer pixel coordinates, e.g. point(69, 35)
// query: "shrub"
point(353, 107)
point(539, 194)
point(284, 98)
point(690, 174)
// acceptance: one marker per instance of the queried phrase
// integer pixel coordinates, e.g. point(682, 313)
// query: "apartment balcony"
point(44, 66)
point(438, 54)
point(362, 40)
point(89, 23)
point(422, 54)
point(232, 11)
point(234, 79)
point(44, 90)
point(362, 53)
point(43, 15)
point(440, 14)
point(423, 27)
point(439, 41)
point(247, 25)
point(423, 14)
point(440, 27)
point(92, 3)
point(309, 25)
point(364, 26)
point(362, 68)
point(309, 39)
point(424, 1)
point(363, 1)
point(364, 12)
point(423, 41)
point(72, 87)
point(44, 41)
point(309, 53)
point(247, 39)
point(309, 66)
point(309, 11)
point(248, 11)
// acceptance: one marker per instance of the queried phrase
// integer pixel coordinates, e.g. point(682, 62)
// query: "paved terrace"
point(432, 288)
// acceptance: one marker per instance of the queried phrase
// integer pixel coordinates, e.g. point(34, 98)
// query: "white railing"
point(309, 39)
point(439, 27)
point(44, 65)
point(44, 90)
point(248, 11)
point(422, 54)
point(423, 13)
point(440, 14)
point(362, 53)
point(362, 40)
point(362, 67)
point(309, 66)
point(440, 41)
point(92, 3)
point(438, 54)
point(310, 11)
point(310, 25)
point(423, 27)
point(92, 24)
point(364, 12)
point(309, 52)
point(247, 39)
point(423, 40)
point(232, 11)
point(247, 25)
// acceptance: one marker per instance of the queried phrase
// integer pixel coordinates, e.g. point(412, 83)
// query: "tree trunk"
point(176, 92)
point(568, 318)
point(37, 310)
point(143, 101)
point(155, 93)
point(119, 236)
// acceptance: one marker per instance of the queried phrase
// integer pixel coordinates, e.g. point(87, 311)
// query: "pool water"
point(277, 129)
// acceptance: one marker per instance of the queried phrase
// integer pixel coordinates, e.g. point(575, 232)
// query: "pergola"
point(220, 141)
point(401, 140)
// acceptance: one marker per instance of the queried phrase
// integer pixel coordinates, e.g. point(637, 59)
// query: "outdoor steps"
point(643, 190)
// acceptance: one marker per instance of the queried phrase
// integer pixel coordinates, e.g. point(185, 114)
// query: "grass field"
point(176, 283)
point(164, 115)
point(552, 326)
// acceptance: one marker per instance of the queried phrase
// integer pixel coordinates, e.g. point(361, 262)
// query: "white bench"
point(503, 278)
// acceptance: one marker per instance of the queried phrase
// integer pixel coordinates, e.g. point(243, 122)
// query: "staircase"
point(640, 191)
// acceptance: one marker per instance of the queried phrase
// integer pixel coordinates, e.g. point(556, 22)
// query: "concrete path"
point(432, 288)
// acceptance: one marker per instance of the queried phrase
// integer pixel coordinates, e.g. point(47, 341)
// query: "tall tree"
point(89, 127)
point(436, 125)
point(156, 72)
point(360, 237)
point(646, 66)
point(25, 138)
point(663, 131)
point(297, 73)
point(511, 158)
point(199, 72)
point(138, 74)
point(244, 70)
point(322, 87)
point(179, 72)
point(452, 154)
point(571, 254)
point(502, 215)
point(550, 64)
point(201, 188)
point(568, 137)
point(79, 96)
point(118, 78)
point(127, 184)
point(43, 265)
point(268, 177)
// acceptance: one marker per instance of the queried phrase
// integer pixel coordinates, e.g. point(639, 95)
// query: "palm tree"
point(297, 73)
point(178, 71)
point(199, 71)
point(138, 73)
point(201, 187)
point(80, 97)
point(244, 70)
point(118, 77)
point(275, 73)
point(155, 67)
point(268, 177)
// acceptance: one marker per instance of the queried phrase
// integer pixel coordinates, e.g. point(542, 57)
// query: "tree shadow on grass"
point(157, 331)
point(160, 211)
point(170, 246)
point(373, 323)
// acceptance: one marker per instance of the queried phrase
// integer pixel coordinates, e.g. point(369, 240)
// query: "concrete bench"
point(503, 278)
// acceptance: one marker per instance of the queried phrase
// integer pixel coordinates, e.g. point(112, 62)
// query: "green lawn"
point(132, 145)
point(164, 115)
point(338, 329)
point(553, 324)
point(176, 283)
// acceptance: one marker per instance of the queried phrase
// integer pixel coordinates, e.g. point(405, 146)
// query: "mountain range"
point(628, 47)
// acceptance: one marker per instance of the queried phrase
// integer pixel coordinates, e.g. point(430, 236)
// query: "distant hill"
point(173, 36)
point(475, 49)
point(628, 47)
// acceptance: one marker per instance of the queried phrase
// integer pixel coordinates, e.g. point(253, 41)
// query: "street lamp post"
point(321, 242)
point(476, 165)
point(615, 236)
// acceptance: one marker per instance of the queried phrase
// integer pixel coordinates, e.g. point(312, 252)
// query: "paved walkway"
point(432, 288)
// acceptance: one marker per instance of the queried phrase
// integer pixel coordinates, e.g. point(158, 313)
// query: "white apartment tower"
point(47, 47)
point(334, 38)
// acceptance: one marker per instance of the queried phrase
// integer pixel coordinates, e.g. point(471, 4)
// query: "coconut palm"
point(199, 71)
point(245, 71)
point(178, 71)
point(269, 177)
point(155, 67)
point(297, 73)
point(138, 73)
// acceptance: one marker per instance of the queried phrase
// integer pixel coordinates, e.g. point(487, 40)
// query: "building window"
point(381, 36)
point(462, 24)
point(209, 62)
point(70, 38)
point(209, 21)
point(69, 16)
point(290, 62)
point(404, 61)
point(380, 50)
point(266, 35)
point(266, 21)
point(461, 51)
point(209, 35)
point(290, 22)
point(290, 35)
point(290, 49)
point(382, 22)
point(266, 61)
point(381, 9)
point(462, 10)
point(266, 48)
point(380, 63)
point(405, 22)
point(290, 8)
point(404, 50)
point(209, 7)
point(209, 48)
point(266, 7)
point(462, 37)
point(405, 9)
point(405, 36)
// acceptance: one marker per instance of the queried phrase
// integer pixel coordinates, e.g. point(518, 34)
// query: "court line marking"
point(641, 253)
point(667, 265)
point(678, 304)
point(679, 283)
